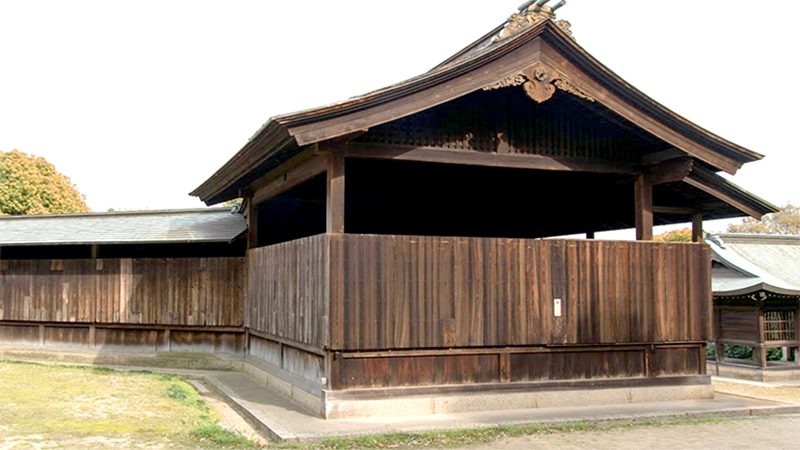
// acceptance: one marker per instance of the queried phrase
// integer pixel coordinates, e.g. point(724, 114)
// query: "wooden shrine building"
point(396, 260)
point(756, 288)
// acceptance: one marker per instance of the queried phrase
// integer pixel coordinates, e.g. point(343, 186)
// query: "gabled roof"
point(138, 227)
point(752, 263)
point(482, 64)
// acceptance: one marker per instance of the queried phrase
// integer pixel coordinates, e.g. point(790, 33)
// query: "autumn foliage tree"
point(684, 235)
point(31, 185)
point(786, 222)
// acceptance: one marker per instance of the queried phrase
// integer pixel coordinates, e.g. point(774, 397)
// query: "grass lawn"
point(44, 406)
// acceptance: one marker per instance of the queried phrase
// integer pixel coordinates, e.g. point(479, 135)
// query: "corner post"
point(697, 227)
point(252, 223)
point(643, 202)
point(760, 351)
point(335, 200)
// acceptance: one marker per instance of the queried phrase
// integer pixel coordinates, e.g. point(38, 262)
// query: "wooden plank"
point(474, 158)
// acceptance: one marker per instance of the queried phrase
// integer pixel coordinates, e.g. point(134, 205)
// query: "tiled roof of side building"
point(754, 262)
point(136, 227)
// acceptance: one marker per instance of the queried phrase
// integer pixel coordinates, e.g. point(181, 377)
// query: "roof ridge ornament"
point(532, 13)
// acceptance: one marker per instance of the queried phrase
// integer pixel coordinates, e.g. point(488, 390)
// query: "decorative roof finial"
point(531, 13)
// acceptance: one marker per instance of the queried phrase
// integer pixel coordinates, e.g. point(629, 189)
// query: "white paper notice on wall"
point(557, 307)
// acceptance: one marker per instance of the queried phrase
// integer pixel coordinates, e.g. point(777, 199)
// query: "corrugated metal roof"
point(139, 227)
point(755, 262)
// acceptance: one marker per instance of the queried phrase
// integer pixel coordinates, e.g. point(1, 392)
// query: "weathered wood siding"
point(287, 290)
point(403, 292)
point(201, 292)
point(738, 324)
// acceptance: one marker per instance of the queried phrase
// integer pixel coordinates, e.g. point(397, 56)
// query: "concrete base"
point(495, 397)
point(744, 372)
point(283, 421)
point(169, 360)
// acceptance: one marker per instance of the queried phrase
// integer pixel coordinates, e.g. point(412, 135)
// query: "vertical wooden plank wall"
point(287, 291)
point(404, 292)
point(204, 292)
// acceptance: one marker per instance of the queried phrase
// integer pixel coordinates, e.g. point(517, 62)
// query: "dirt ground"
point(769, 433)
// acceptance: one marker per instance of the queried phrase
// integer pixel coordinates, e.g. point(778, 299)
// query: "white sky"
point(140, 101)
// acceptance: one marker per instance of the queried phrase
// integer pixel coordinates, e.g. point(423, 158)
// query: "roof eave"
point(280, 132)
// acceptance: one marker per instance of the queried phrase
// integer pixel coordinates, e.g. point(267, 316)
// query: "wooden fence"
point(193, 304)
point(403, 292)
point(192, 291)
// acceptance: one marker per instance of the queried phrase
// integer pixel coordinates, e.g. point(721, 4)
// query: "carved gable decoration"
point(540, 83)
point(530, 15)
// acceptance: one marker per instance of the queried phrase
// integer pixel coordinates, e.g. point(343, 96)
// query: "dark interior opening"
point(432, 199)
point(297, 213)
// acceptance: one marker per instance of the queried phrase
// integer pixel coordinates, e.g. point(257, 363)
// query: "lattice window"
point(780, 326)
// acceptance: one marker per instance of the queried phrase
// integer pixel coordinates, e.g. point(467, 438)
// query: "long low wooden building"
point(397, 260)
point(124, 281)
point(399, 255)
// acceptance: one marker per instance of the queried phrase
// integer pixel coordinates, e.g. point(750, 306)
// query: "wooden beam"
point(280, 181)
point(723, 196)
point(670, 171)
point(335, 198)
point(675, 210)
point(697, 227)
point(644, 209)
point(664, 155)
point(94, 251)
point(472, 158)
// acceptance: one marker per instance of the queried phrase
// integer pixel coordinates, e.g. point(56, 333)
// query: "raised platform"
point(776, 372)
point(432, 400)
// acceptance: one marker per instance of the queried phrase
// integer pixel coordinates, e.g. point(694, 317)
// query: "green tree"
point(787, 221)
point(31, 185)
point(684, 235)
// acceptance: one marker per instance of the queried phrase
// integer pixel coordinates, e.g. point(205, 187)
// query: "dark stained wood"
point(288, 176)
point(405, 292)
point(697, 227)
point(520, 160)
point(335, 201)
point(515, 366)
point(677, 210)
point(669, 172)
point(286, 291)
point(124, 291)
point(643, 194)
point(252, 223)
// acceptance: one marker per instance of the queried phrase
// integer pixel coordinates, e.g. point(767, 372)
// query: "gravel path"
point(768, 433)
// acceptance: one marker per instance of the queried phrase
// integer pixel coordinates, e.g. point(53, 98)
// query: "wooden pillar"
point(718, 345)
point(697, 227)
point(643, 192)
point(252, 223)
point(796, 336)
point(335, 199)
point(760, 352)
